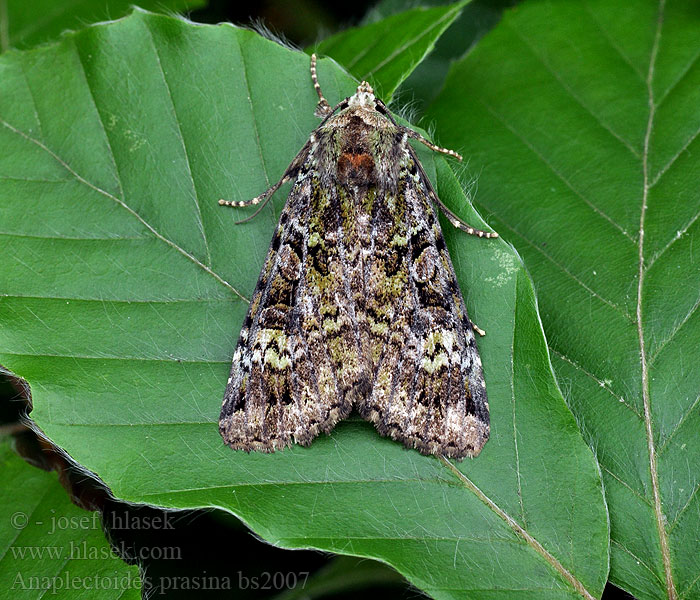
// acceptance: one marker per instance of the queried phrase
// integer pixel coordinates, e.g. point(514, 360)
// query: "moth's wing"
point(428, 389)
point(285, 383)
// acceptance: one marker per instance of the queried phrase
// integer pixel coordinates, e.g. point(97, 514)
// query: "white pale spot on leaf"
point(507, 265)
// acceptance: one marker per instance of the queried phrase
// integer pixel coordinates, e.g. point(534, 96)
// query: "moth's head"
point(364, 96)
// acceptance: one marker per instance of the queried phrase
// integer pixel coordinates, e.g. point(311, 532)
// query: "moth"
point(357, 305)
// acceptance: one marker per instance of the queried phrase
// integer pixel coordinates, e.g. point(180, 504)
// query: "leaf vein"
point(641, 497)
point(116, 238)
point(59, 9)
point(678, 425)
point(515, 429)
point(196, 300)
point(4, 27)
point(559, 175)
point(31, 97)
point(123, 204)
point(311, 482)
point(571, 93)
point(32, 180)
point(637, 559)
point(599, 381)
point(691, 585)
point(682, 76)
point(173, 360)
point(518, 529)
point(611, 42)
point(675, 238)
point(408, 43)
point(675, 330)
point(565, 270)
point(112, 158)
point(673, 159)
point(181, 139)
point(18, 530)
point(684, 508)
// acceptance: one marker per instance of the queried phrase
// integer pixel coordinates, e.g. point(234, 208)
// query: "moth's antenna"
point(323, 109)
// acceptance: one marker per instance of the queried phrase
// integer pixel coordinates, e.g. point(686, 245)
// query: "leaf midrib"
point(648, 425)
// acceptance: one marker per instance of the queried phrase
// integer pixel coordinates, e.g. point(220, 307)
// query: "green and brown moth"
point(357, 305)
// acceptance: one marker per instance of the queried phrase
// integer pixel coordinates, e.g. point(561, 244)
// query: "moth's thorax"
point(361, 135)
point(354, 119)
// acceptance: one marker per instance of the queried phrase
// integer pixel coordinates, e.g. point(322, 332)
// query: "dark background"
point(301, 22)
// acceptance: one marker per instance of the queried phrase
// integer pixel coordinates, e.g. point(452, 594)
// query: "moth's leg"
point(417, 136)
point(454, 219)
point(458, 223)
point(291, 173)
point(478, 329)
point(264, 197)
point(323, 109)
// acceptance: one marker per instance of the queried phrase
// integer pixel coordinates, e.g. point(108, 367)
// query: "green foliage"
point(476, 19)
point(124, 286)
point(582, 120)
point(24, 24)
point(385, 53)
point(48, 546)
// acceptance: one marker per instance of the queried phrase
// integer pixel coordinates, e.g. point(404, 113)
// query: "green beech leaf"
point(27, 23)
point(474, 21)
point(50, 548)
point(582, 121)
point(124, 287)
point(386, 52)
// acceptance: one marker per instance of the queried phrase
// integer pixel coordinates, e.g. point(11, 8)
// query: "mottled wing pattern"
point(358, 303)
point(297, 356)
point(428, 386)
